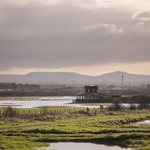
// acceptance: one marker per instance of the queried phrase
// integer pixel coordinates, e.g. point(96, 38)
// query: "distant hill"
point(74, 78)
point(131, 78)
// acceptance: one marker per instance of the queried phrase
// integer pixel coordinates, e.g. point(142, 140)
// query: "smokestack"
point(122, 81)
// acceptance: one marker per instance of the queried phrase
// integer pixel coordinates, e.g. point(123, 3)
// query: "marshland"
point(35, 128)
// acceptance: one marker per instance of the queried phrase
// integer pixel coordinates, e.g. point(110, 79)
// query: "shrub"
point(142, 100)
point(10, 112)
point(115, 106)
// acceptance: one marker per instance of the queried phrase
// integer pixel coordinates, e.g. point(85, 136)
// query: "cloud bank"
point(69, 34)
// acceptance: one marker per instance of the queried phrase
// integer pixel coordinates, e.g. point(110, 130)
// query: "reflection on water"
point(30, 102)
point(146, 122)
point(44, 101)
point(40, 101)
point(82, 146)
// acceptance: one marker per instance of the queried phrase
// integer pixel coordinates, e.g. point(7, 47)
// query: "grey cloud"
point(142, 18)
point(102, 29)
point(142, 15)
point(65, 35)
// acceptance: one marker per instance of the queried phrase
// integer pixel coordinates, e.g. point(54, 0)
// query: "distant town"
point(19, 89)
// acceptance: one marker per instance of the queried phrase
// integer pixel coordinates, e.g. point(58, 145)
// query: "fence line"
point(44, 111)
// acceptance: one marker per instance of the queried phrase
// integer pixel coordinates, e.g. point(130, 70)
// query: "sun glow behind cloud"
point(136, 68)
point(83, 3)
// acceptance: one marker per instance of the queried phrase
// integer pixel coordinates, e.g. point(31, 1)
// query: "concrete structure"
point(89, 95)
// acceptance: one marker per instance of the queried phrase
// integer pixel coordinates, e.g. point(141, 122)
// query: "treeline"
point(13, 89)
point(55, 92)
point(19, 87)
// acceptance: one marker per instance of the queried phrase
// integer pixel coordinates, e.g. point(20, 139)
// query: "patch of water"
point(31, 102)
point(44, 101)
point(145, 122)
point(81, 146)
point(37, 102)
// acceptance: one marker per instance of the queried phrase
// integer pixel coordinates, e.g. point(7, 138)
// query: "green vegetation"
point(29, 129)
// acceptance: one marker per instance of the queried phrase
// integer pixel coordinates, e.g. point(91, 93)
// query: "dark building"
point(90, 94)
point(91, 89)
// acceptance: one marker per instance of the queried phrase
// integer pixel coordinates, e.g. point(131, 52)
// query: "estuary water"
point(31, 102)
point(82, 146)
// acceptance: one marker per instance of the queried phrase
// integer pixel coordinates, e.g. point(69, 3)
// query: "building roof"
point(88, 94)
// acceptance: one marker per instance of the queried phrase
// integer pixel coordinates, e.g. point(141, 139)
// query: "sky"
point(90, 37)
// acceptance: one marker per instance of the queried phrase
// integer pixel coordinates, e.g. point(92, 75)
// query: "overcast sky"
point(84, 36)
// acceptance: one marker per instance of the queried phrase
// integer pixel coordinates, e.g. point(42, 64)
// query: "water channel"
point(31, 102)
point(82, 146)
point(43, 101)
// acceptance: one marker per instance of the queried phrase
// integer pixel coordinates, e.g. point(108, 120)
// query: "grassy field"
point(30, 129)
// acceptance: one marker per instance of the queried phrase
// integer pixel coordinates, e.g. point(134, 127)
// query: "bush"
point(143, 101)
point(132, 107)
point(115, 106)
point(10, 112)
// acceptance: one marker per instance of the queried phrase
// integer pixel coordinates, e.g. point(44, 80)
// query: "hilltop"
point(74, 78)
